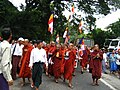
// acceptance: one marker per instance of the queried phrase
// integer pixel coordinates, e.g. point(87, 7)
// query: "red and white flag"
point(50, 24)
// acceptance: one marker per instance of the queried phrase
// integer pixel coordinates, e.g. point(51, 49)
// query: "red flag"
point(50, 23)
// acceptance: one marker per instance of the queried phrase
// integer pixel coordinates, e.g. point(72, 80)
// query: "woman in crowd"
point(113, 65)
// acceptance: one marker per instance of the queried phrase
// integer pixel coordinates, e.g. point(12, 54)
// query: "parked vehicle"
point(106, 43)
point(114, 44)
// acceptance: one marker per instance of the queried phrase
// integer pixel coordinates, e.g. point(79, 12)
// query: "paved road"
point(80, 82)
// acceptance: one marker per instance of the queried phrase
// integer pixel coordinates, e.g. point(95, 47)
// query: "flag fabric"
point(65, 33)
point(81, 41)
point(57, 39)
point(82, 44)
point(67, 38)
point(80, 27)
point(72, 10)
point(50, 24)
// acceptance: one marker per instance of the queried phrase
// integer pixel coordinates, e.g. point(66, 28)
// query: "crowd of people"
point(25, 59)
point(111, 62)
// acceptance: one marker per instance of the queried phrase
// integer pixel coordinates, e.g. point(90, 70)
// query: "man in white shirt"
point(5, 60)
point(37, 59)
point(104, 61)
point(16, 55)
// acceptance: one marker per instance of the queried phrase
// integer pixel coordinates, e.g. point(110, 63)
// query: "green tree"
point(99, 36)
point(114, 29)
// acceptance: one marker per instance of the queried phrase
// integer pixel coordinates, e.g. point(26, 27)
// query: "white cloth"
point(18, 49)
point(38, 55)
point(118, 59)
point(5, 62)
point(64, 35)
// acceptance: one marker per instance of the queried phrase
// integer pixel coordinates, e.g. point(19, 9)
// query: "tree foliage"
point(114, 28)
point(32, 21)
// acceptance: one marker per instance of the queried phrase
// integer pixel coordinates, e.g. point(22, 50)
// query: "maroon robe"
point(57, 60)
point(50, 66)
point(69, 65)
point(63, 61)
point(84, 61)
point(96, 64)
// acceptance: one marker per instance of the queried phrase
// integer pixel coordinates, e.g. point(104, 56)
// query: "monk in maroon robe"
point(69, 65)
point(63, 49)
point(57, 61)
point(75, 51)
point(96, 57)
point(25, 71)
point(84, 60)
point(52, 48)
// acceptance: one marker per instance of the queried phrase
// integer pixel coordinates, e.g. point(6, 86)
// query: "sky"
point(102, 22)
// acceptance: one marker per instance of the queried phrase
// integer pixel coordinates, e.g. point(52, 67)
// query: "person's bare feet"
point(32, 85)
point(71, 86)
point(23, 83)
point(93, 84)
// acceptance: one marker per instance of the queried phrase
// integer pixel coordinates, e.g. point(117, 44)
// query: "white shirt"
point(5, 61)
point(18, 49)
point(105, 57)
point(38, 55)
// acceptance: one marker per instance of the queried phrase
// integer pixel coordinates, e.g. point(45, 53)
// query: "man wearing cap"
point(16, 55)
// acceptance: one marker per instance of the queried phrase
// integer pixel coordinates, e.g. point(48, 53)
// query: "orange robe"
point(25, 71)
point(69, 65)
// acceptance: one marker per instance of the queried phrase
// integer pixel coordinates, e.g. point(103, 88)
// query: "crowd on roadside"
point(111, 62)
point(26, 59)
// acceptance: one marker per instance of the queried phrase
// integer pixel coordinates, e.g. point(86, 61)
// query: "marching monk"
point(97, 57)
point(75, 61)
point(57, 61)
point(84, 60)
point(63, 49)
point(69, 64)
point(25, 71)
point(52, 48)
